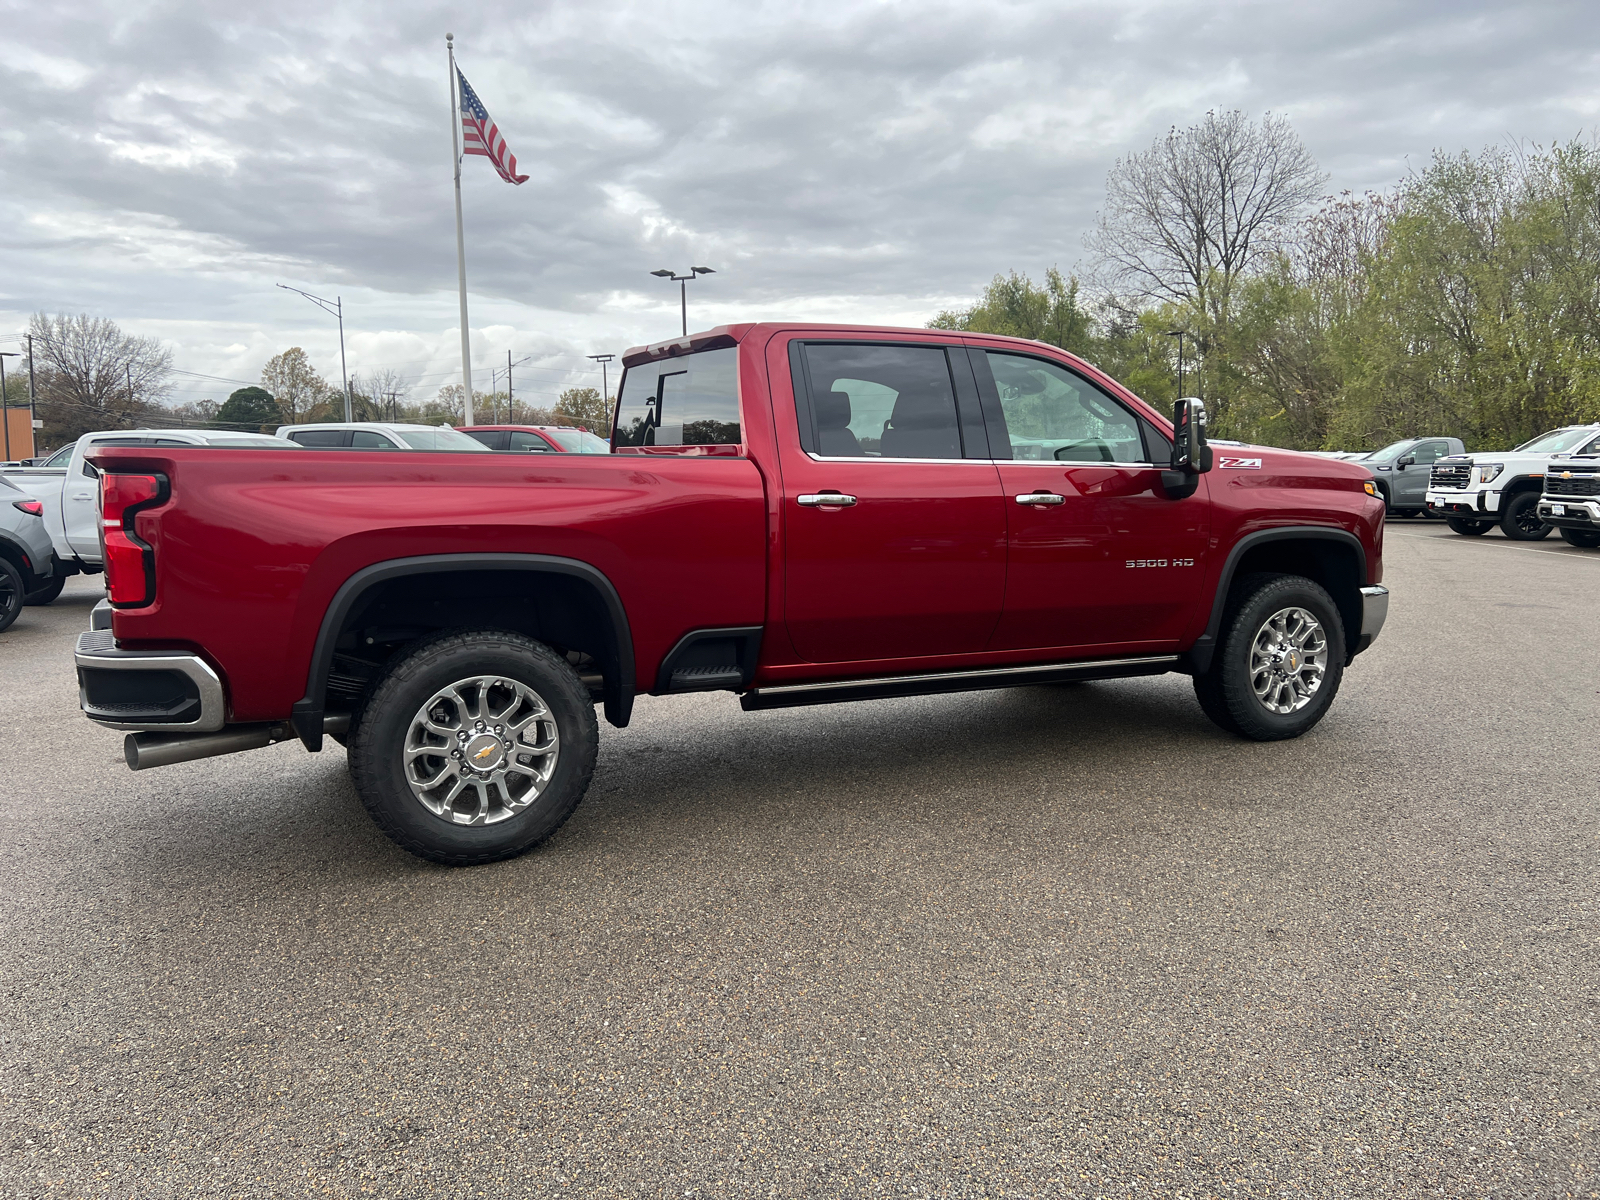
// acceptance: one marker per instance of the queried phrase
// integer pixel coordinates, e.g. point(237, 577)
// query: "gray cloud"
point(165, 166)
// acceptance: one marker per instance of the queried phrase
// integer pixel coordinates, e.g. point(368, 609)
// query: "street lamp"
point(5, 399)
point(603, 359)
point(1180, 334)
point(683, 288)
point(336, 307)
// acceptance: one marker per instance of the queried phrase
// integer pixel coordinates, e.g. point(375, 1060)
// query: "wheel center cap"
point(484, 752)
point(1292, 662)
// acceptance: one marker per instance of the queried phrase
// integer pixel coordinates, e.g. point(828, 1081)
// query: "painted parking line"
point(1569, 552)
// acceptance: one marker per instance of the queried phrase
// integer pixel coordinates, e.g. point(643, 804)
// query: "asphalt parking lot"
point(1048, 942)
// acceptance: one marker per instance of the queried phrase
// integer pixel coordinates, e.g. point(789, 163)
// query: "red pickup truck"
point(800, 514)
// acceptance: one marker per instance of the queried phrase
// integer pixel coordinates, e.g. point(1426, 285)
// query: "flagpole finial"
point(449, 37)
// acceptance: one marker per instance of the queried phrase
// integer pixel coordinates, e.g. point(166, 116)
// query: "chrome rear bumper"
point(161, 690)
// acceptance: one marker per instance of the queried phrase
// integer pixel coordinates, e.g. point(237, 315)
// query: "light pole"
point(683, 288)
point(603, 359)
point(5, 400)
point(33, 411)
point(1180, 334)
point(336, 307)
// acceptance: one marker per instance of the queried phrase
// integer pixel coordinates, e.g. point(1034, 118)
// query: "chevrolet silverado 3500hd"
point(796, 513)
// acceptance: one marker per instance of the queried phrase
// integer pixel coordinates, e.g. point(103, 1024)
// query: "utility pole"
point(33, 413)
point(5, 403)
point(511, 403)
point(603, 359)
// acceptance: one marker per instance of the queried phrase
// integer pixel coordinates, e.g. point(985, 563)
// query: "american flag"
point(480, 135)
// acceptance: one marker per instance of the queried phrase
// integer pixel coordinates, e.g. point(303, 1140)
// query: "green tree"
point(1013, 305)
point(585, 407)
point(251, 410)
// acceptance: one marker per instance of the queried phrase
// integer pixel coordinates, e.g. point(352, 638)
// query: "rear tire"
point(1468, 528)
point(449, 692)
point(1280, 660)
point(1585, 539)
point(11, 594)
point(48, 592)
point(1520, 521)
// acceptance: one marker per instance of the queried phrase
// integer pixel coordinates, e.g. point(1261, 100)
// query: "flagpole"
point(461, 244)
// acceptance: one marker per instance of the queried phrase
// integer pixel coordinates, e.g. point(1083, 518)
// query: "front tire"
point(474, 747)
point(1520, 522)
point(1585, 539)
point(1280, 660)
point(1468, 528)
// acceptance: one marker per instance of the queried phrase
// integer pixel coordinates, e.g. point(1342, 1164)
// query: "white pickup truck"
point(68, 486)
point(1476, 492)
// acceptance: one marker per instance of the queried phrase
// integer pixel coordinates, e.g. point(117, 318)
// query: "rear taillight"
point(33, 507)
point(130, 563)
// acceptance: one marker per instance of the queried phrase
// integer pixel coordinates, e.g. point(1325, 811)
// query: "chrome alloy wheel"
point(1288, 660)
point(481, 750)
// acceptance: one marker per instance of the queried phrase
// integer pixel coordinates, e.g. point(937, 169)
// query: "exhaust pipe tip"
point(145, 750)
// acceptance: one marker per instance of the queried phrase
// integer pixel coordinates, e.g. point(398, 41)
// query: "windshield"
point(579, 441)
point(1390, 451)
point(442, 438)
point(1556, 441)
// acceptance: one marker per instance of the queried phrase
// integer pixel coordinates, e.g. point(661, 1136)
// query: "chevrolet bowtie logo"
point(484, 753)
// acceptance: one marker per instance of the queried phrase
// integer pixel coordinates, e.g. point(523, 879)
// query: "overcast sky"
point(166, 164)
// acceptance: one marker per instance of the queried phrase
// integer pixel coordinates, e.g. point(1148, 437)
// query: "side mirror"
point(1191, 456)
point(1190, 452)
point(1407, 461)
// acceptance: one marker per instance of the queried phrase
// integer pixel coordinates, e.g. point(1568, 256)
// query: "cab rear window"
point(691, 400)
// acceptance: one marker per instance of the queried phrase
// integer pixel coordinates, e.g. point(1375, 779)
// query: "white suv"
point(380, 435)
point(1476, 492)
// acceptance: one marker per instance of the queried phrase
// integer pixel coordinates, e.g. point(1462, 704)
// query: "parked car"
point(800, 515)
point(27, 563)
point(1571, 499)
point(538, 439)
point(1476, 492)
point(68, 491)
point(1401, 470)
point(377, 435)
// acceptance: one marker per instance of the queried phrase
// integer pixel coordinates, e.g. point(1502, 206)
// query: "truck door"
point(1411, 485)
point(893, 521)
point(1099, 556)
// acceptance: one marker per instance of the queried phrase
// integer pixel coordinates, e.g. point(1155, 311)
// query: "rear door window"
point(691, 400)
point(880, 401)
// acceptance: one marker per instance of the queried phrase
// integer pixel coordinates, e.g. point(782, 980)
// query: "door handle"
point(825, 500)
point(1048, 499)
point(84, 498)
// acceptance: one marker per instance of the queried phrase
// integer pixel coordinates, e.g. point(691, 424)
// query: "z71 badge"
point(1238, 464)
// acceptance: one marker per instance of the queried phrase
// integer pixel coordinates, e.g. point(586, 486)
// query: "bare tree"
point(1186, 218)
point(384, 392)
point(92, 375)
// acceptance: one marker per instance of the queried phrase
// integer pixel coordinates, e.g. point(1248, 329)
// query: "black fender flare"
point(1197, 660)
point(307, 715)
